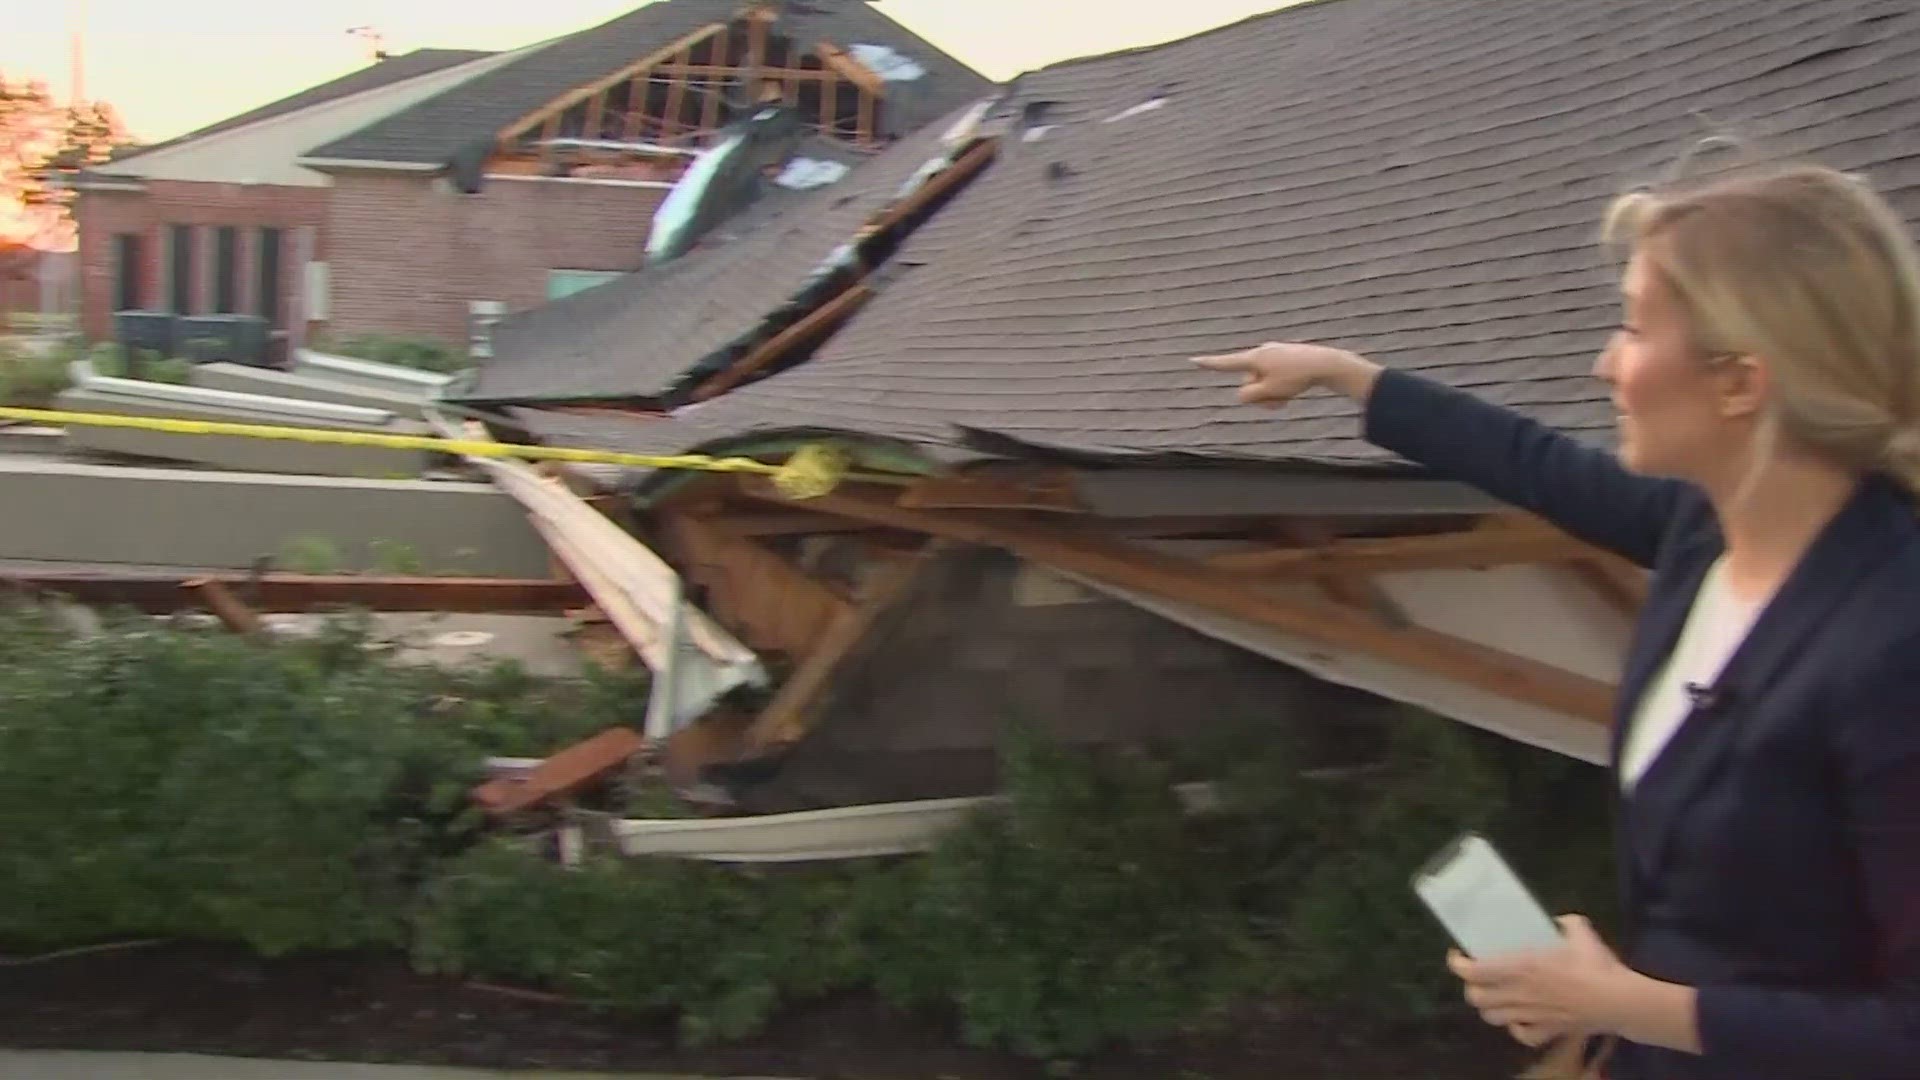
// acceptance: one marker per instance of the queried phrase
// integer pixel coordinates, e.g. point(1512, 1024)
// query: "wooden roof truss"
point(678, 98)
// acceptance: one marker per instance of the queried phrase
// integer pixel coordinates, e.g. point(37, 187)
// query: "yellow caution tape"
point(811, 471)
point(814, 470)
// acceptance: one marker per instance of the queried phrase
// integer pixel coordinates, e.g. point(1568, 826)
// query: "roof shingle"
point(387, 72)
point(1420, 182)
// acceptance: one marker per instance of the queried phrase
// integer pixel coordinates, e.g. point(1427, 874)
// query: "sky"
point(175, 66)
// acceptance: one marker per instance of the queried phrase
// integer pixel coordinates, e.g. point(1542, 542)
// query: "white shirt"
point(1716, 625)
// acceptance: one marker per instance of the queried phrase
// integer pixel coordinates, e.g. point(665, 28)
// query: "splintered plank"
point(791, 711)
point(159, 594)
point(566, 773)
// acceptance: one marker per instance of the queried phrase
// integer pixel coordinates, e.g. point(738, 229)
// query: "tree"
point(43, 147)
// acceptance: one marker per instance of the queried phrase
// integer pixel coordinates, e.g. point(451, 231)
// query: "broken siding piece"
point(635, 587)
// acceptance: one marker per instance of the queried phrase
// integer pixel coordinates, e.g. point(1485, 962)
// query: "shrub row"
point(164, 782)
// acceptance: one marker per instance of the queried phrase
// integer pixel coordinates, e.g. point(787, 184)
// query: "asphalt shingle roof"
point(642, 333)
point(436, 129)
point(392, 70)
point(1418, 181)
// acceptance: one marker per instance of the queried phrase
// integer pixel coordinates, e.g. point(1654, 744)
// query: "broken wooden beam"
point(787, 717)
point(770, 603)
point(228, 608)
point(810, 327)
point(946, 180)
point(840, 63)
point(1054, 490)
point(160, 594)
point(562, 774)
point(1479, 547)
point(1326, 623)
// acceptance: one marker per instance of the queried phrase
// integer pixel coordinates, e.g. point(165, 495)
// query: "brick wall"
point(410, 252)
point(106, 213)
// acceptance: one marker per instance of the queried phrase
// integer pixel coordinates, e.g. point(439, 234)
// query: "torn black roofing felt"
point(1420, 182)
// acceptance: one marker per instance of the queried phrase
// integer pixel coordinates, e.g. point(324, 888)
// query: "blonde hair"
point(1809, 269)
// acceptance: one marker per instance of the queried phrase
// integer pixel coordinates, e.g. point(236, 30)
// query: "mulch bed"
point(373, 1008)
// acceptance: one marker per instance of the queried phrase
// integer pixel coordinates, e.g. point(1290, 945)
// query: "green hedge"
point(196, 784)
point(160, 782)
point(427, 354)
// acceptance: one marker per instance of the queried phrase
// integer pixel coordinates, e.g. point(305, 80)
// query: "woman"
point(1767, 738)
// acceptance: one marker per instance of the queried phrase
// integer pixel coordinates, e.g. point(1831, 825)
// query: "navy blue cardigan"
point(1771, 854)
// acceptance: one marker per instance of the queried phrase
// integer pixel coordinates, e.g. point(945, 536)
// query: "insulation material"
point(888, 64)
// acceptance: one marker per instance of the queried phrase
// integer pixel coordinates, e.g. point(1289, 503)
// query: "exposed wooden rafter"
point(816, 323)
point(760, 596)
point(792, 709)
point(1328, 624)
point(965, 168)
point(1053, 490)
point(553, 110)
point(839, 62)
point(1488, 546)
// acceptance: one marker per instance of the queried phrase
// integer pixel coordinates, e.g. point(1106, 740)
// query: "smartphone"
point(1481, 902)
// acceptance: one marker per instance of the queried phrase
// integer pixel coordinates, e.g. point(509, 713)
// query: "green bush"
point(720, 949)
point(1082, 912)
point(156, 781)
point(31, 381)
point(427, 354)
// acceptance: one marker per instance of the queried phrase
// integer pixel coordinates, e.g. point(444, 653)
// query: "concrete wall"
point(64, 512)
point(242, 379)
point(235, 452)
point(409, 252)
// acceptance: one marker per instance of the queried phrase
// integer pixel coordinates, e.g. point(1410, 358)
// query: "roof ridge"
point(262, 113)
point(1137, 50)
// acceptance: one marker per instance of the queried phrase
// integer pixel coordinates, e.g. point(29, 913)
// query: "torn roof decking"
point(642, 335)
point(434, 131)
point(1418, 182)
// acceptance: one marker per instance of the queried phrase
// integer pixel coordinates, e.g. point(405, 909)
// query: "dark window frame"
point(180, 269)
point(128, 271)
point(226, 270)
point(269, 276)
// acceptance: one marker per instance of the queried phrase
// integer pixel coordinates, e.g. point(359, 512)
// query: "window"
point(127, 264)
point(567, 282)
point(226, 270)
point(180, 269)
point(269, 303)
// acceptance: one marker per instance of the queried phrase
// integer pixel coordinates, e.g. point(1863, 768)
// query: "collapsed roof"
point(1418, 182)
point(650, 332)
